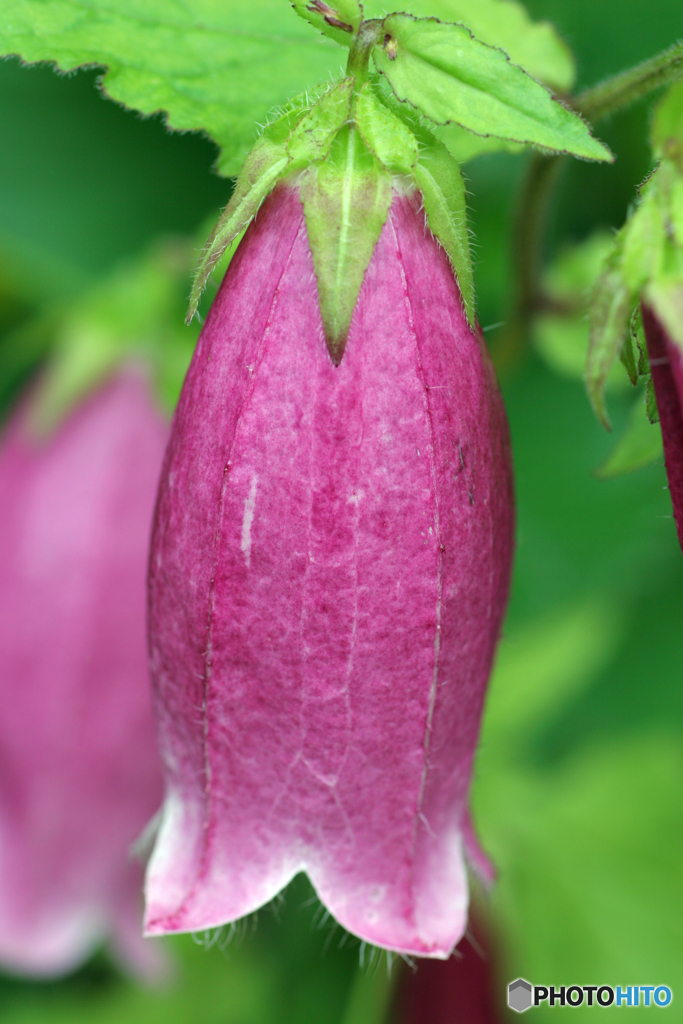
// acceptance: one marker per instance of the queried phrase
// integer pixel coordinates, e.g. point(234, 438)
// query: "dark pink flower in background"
point(666, 363)
point(462, 990)
point(329, 570)
point(79, 772)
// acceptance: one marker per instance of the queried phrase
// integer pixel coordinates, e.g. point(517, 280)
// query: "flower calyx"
point(350, 146)
point(645, 264)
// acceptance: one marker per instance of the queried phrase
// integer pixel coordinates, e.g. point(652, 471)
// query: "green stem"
point(358, 65)
point(372, 991)
point(527, 241)
point(625, 88)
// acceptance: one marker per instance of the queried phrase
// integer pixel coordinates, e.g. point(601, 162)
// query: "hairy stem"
point(623, 89)
point(358, 63)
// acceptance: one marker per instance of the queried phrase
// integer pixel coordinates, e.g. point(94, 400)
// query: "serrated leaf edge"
point(609, 157)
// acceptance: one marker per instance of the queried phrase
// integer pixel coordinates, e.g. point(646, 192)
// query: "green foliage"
point(443, 194)
point(665, 294)
point(636, 259)
point(610, 313)
point(646, 262)
point(576, 793)
point(312, 137)
point(370, 996)
point(666, 133)
point(560, 329)
point(258, 177)
point(639, 445)
point(339, 19)
point(130, 315)
point(291, 142)
point(392, 142)
point(535, 46)
point(582, 889)
point(447, 74)
point(346, 202)
point(212, 65)
point(219, 67)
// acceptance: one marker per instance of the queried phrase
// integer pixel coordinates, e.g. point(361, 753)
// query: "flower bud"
point(329, 569)
point(666, 364)
point(80, 776)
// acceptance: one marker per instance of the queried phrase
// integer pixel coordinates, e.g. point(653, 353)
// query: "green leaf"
point(609, 320)
point(312, 137)
point(667, 126)
point(392, 142)
point(338, 19)
point(535, 46)
point(261, 171)
point(346, 201)
point(443, 196)
point(464, 145)
point(216, 66)
point(638, 446)
point(450, 76)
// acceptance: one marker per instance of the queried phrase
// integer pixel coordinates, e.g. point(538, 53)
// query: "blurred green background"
point(577, 793)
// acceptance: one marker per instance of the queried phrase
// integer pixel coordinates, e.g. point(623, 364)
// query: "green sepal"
point(676, 211)
point(560, 328)
point(438, 177)
point(644, 240)
point(651, 402)
point(638, 446)
point(637, 260)
point(440, 181)
point(312, 137)
point(443, 71)
point(638, 339)
point(665, 295)
point(346, 201)
point(260, 173)
point(610, 311)
point(392, 142)
point(666, 134)
point(338, 19)
point(628, 359)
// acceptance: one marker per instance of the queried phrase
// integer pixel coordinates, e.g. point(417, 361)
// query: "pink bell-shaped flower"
point(79, 770)
point(666, 364)
point(329, 570)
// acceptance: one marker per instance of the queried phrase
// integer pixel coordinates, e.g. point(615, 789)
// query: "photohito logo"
point(522, 995)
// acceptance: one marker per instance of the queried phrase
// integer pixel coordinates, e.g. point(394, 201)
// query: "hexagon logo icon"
point(519, 995)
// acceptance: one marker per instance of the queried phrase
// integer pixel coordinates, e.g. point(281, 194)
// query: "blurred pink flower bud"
point(666, 363)
point(329, 569)
point(79, 771)
point(465, 987)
